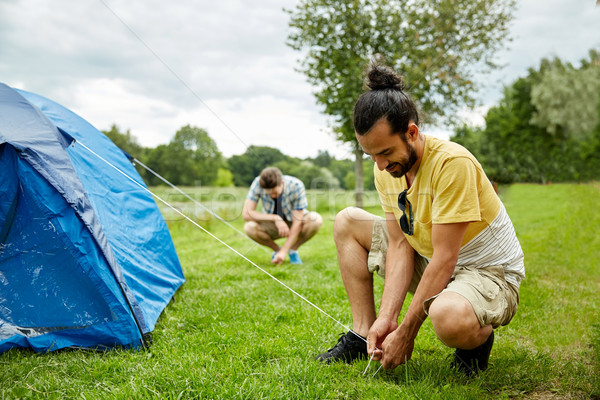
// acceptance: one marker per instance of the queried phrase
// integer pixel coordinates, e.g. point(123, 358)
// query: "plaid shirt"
point(293, 196)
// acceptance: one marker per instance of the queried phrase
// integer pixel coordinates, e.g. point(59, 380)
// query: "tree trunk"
point(358, 172)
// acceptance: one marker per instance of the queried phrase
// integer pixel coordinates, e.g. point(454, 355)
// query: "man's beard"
point(406, 165)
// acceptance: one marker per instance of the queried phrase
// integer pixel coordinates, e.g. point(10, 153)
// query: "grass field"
point(232, 332)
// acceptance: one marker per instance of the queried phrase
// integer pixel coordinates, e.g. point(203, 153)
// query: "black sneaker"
point(471, 361)
point(349, 347)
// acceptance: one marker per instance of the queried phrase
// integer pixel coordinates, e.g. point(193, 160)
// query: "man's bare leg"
point(255, 232)
point(310, 226)
point(456, 325)
point(455, 322)
point(352, 234)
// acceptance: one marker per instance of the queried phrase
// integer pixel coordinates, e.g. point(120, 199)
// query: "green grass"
point(232, 332)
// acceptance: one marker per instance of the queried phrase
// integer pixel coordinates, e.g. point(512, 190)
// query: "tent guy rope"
point(172, 71)
point(214, 214)
point(217, 238)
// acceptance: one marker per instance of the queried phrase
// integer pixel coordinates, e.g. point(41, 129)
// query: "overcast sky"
point(154, 66)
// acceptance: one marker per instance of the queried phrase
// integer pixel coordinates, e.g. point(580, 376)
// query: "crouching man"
point(284, 215)
point(446, 238)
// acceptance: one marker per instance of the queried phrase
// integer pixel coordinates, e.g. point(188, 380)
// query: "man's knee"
point(447, 310)
point(312, 222)
point(251, 228)
point(353, 222)
point(343, 221)
point(453, 318)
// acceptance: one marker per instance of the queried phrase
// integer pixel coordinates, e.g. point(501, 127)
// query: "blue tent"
point(86, 259)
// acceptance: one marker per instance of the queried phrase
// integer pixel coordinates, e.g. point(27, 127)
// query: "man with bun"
point(284, 214)
point(446, 238)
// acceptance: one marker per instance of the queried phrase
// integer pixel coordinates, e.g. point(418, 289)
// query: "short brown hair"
point(270, 177)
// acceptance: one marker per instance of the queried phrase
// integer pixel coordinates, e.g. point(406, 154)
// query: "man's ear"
point(412, 133)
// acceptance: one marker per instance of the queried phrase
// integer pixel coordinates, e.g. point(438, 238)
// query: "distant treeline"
point(545, 128)
point(192, 158)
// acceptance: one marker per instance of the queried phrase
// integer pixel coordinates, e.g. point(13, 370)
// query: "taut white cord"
point(216, 238)
point(135, 160)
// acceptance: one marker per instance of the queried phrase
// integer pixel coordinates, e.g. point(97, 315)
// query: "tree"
point(323, 159)
point(313, 176)
point(438, 46)
point(535, 133)
point(339, 169)
point(566, 98)
point(129, 144)
point(247, 166)
point(190, 158)
point(125, 141)
point(205, 157)
point(161, 160)
point(224, 178)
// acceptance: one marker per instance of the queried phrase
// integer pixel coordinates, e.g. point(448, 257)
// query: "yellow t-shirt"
point(451, 187)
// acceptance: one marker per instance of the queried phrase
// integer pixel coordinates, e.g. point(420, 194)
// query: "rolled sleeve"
point(294, 196)
point(299, 201)
point(254, 192)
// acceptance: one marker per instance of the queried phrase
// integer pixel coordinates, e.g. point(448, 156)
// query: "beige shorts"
point(494, 300)
point(271, 229)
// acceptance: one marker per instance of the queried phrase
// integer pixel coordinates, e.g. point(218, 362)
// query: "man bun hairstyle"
point(270, 177)
point(385, 98)
point(382, 77)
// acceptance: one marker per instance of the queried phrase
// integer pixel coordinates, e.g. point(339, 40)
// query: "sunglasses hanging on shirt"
point(406, 223)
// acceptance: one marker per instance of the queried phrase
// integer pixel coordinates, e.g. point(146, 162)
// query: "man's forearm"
point(295, 230)
point(446, 240)
point(398, 275)
point(434, 280)
point(258, 216)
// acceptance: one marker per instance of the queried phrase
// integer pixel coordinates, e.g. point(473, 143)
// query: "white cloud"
point(544, 29)
point(268, 121)
point(154, 66)
point(234, 124)
point(103, 102)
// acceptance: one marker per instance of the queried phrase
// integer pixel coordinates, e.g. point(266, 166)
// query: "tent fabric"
point(86, 259)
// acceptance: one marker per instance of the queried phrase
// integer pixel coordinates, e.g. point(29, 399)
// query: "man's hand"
point(279, 257)
point(395, 344)
point(379, 331)
point(397, 348)
point(282, 228)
